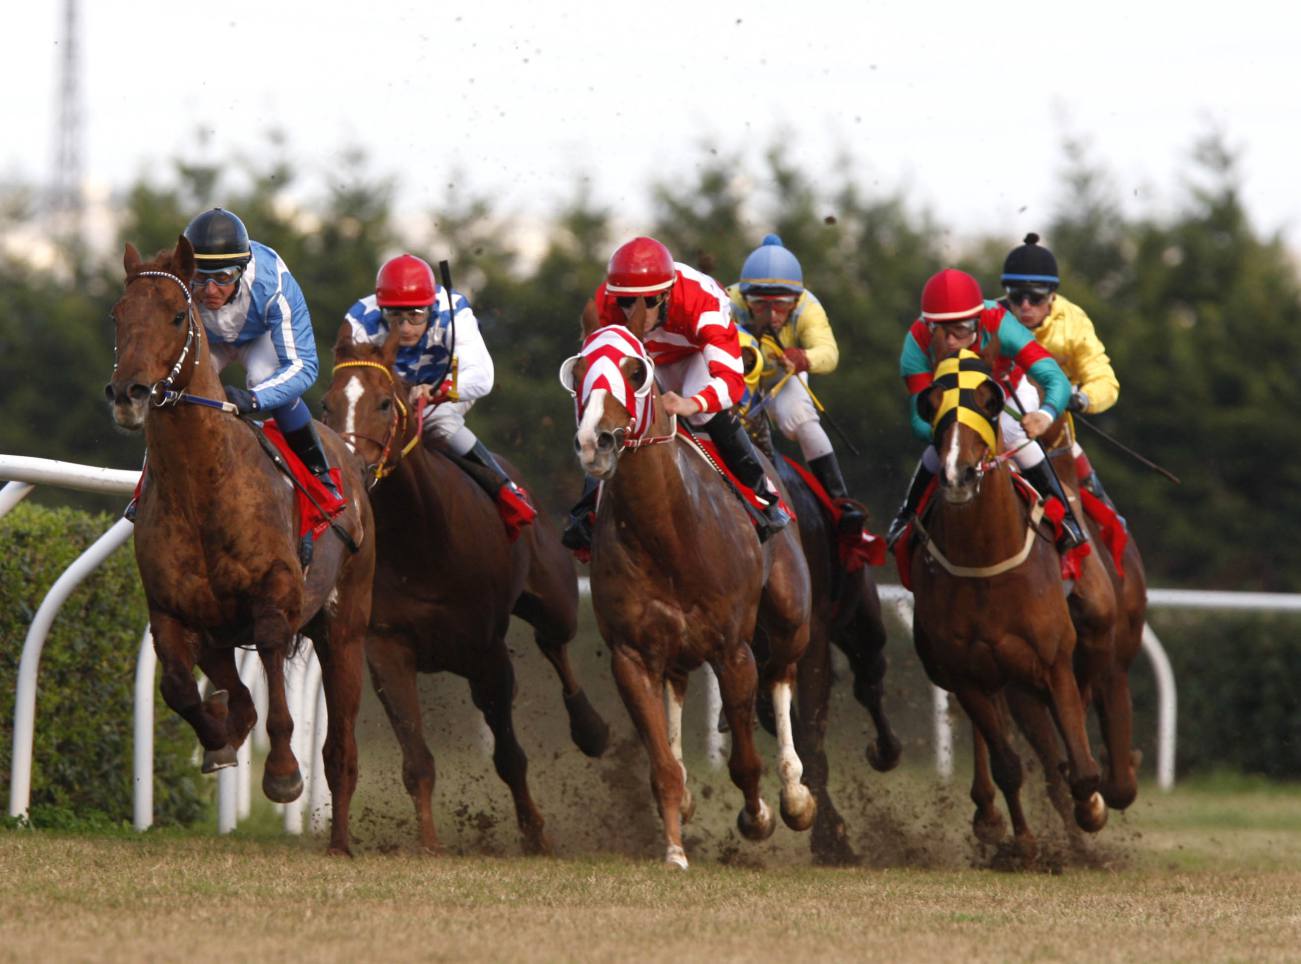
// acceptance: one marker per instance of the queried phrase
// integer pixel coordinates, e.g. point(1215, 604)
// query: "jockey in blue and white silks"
point(431, 322)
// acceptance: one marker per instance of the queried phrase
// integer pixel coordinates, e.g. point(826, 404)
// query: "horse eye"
point(180, 317)
point(386, 404)
point(325, 406)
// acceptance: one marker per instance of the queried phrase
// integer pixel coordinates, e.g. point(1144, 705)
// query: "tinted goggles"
point(221, 277)
point(1036, 296)
point(408, 316)
point(629, 302)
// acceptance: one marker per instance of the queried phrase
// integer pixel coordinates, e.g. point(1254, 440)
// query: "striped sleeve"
point(290, 325)
point(1017, 343)
point(915, 370)
point(721, 347)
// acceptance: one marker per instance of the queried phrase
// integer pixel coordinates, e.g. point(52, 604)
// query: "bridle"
point(162, 393)
point(397, 425)
point(602, 346)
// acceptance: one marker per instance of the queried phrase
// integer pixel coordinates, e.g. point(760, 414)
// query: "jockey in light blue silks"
point(254, 312)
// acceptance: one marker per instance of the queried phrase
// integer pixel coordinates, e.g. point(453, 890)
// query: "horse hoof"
point(589, 732)
point(283, 789)
point(676, 858)
point(830, 845)
point(1091, 814)
point(688, 809)
point(756, 828)
point(798, 807)
point(884, 759)
point(336, 851)
point(988, 828)
point(214, 760)
point(538, 845)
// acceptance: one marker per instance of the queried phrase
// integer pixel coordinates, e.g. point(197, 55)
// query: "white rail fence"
point(307, 698)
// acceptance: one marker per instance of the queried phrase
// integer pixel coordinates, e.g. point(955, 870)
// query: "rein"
point(397, 426)
point(984, 572)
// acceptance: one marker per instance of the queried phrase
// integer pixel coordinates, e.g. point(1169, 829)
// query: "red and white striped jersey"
point(697, 319)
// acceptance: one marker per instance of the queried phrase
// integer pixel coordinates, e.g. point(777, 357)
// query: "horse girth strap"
point(984, 572)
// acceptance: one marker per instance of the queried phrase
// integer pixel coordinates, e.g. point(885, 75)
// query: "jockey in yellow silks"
point(772, 304)
point(1030, 281)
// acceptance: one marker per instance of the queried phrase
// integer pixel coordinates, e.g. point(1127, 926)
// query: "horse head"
point(612, 380)
point(366, 402)
point(962, 405)
point(157, 333)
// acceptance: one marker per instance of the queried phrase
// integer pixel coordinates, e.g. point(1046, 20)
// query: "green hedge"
point(83, 747)
point(1236, 677)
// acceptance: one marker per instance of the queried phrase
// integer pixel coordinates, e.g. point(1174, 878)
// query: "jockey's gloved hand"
point(797, 358)
point(1079, 401)
point(242, 399)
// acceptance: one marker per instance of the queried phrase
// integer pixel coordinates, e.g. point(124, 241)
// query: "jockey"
point(254, 312)
point(407, 299)
point(696, 349)
point(955, 315)
point(1065, 331)
point(771, 301)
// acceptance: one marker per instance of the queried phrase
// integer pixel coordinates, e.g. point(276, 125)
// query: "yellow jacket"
point(1067, 334)
point(811, 326)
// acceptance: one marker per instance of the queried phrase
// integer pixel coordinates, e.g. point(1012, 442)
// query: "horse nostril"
point(108, 392)
point(605, 441)
point(138, 392)
point(578, 446)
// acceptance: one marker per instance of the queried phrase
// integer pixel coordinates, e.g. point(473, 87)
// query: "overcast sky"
point(962, 106)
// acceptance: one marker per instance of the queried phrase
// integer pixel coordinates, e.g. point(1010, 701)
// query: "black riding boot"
point(307, 446)
point(827, 470)
point(480, 455)
point(738, 451)
point(916, 489)
point(1044, 478)
point(578, 531)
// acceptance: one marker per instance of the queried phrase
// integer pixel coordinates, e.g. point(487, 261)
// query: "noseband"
point(163, 393)
point(397, 425)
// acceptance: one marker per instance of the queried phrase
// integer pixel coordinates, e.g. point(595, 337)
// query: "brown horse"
point(679, 578)
point(845, 610)
point(990, 610)
point(447, 580)
point(1108, 610)
point(216, 546)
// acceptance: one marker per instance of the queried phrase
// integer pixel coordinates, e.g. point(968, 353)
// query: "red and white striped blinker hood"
point(602, 351)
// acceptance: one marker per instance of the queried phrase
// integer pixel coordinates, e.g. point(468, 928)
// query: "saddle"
point(855, 550)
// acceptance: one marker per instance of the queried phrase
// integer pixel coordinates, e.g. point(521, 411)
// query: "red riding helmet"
point(405, 282)
point(951, 295)
point(643, 266)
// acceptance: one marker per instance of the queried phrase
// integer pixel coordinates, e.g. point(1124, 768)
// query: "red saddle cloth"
point(1112, 530)
point(711, 450)
point(515, 508)
point(1054, 512)
point(309, 519)
point(855, 551)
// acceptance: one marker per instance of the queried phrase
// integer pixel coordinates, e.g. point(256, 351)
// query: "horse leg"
point(1034, 720)
point(640, 691)
point(798, 806)
point(830, 840)
point(393, 673)
point(339, 651)
point(1005, 764)
point(177, 648)
point(282, 781)
point(987, 823)
point(1068, 712)
point(675, 694)
point(493, 690)
point(1116, 718)
point(737, 682)
point(863, 643)
point(218, 664)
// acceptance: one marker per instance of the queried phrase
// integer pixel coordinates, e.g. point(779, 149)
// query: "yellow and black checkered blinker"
point(960, 376)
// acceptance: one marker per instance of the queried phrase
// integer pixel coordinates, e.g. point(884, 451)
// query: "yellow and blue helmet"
point(770, 267)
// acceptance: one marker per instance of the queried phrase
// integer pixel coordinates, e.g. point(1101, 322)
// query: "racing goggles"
point(629, 302)
point(408, 316)
point(956, 329)
point(1036, 296)
point(771, 301)
point(221, 277)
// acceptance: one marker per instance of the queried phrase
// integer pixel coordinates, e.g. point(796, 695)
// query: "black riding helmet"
point(1030, 264)
point(219, 240)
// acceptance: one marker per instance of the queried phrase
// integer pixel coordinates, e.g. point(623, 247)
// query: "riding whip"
point(445, 274)
point(1126, 449)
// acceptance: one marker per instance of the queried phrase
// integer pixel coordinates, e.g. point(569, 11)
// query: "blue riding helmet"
point(770, 266)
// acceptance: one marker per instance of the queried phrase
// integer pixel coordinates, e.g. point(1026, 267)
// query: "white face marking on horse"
point(352, 392)
point(951, 459)
point(587, 428)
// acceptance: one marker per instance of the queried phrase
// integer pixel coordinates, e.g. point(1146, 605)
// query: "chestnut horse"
point(1108, 609)
point(990, 608)
point(846, 610)
point(679, 578)
point(447, 580)
point(216, 544)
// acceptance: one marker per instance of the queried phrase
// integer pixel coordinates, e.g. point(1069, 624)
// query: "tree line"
point(1199, 311)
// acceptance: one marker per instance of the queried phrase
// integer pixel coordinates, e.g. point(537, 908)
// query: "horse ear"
point(637, 320)
point(389, 353)
point(927, 403)
point(993, 405)
point(131, 259)
point(344, 341)
point(591, 317)
point(183, 257)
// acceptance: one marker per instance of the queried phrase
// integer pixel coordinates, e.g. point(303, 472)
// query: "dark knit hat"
point(1030, 264)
